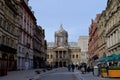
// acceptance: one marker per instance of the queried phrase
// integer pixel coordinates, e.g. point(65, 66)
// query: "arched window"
point(77, 56)
point(73, 56)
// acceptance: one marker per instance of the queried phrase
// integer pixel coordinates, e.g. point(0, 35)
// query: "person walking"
point(83, 70)
point(73, 67)
point(69, 67)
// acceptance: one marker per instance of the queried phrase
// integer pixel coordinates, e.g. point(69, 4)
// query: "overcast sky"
point(75, 15)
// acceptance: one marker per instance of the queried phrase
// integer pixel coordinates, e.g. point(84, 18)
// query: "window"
point(73, 56)
point(0, 39)
point(47, 56)
point(19, 49)
point(51, 56)
point(0, 21)
point(3, 39)
point(77, 56)
point(70, 56)
point(12, 43)
point(22, 50)
point(7, 41)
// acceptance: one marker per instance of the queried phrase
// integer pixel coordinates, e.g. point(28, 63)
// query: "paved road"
point(61, 74)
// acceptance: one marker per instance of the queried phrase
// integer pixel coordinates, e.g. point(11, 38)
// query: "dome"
point(61, 31)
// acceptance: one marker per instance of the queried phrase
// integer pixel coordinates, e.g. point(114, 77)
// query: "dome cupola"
point(61, 37)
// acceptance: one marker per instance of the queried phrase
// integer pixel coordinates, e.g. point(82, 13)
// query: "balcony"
point(7, 49)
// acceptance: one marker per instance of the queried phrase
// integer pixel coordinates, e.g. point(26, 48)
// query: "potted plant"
point(114, 71)
point(103, 72)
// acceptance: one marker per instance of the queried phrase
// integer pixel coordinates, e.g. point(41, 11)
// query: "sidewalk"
point(90, 76)
point(24, 75)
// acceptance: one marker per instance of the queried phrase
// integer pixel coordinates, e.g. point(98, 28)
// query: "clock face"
point(60, 41)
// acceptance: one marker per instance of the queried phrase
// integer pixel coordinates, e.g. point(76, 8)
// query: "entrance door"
point(60, 64)
point(64, 64)
point(56, 64)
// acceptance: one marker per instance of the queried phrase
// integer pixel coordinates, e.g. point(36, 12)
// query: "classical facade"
point(39, 48)
point(61, 52)
point(83, 44)
point(27, 23)
point(8, 35)
point(113, 26)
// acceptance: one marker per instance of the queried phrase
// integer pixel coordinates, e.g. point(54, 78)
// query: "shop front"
point(7, 59)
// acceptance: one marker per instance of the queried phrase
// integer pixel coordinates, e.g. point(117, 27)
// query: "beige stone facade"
point(101, 35)
point(61, 52)
point(113, 26)
point(109, 29)
point(83, 44)
point(108, 25)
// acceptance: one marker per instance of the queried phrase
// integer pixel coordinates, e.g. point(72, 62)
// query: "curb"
point(37, 77)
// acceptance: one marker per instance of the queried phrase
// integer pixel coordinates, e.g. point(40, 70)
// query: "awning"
point(109, 58)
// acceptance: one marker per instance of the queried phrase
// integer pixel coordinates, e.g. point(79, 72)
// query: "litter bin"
point(96, 71)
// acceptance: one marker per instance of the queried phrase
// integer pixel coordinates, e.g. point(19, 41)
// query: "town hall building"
point(60, 53)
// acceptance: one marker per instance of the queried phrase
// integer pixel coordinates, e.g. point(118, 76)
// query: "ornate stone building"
point(61, 52)
point(39, 48)
point(93, 41)
point(102, 47)
point(27, 23)
point(8, 35)
point(113, 26)
point(108, 25)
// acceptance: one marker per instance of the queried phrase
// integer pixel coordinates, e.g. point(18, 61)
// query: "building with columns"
point(61, 52)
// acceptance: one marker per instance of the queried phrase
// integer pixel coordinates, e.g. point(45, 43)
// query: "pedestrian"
point(83, 70)
point(88, 69)
point(73, 67)
point(69, 67)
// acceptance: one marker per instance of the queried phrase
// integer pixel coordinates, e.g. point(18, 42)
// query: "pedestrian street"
point(64, 74)
point(60, 74)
